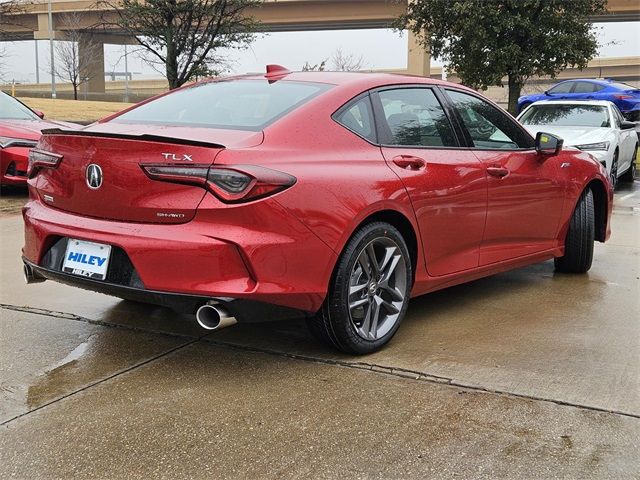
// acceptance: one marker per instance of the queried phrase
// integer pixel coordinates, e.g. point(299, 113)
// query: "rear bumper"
point(256, 253)
point(243, 310)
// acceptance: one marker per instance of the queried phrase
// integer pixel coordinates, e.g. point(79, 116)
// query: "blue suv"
point(626, 97)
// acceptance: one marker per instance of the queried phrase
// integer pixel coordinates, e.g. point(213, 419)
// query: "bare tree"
point(318, 67)
point(346, 62)
point(184, 35)
point(8, 11)
point(72, 66)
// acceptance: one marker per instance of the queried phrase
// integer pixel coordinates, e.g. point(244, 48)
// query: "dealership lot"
point(527, 373)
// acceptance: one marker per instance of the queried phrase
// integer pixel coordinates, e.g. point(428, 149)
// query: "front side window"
point(358, 118)
point(414, 117)
point(564, 87)
point(488, 127)
point(12, 109)
point(567, 115)
point(233, 104)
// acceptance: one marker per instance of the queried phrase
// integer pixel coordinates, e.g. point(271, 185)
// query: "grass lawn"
point(74, 110)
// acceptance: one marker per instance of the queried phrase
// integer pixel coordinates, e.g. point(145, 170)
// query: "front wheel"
point(630, 174)
point(578, 246)
point(369, 291)
point(613, 175)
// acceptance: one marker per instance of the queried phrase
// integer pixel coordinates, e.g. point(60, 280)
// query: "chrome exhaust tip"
point(214, 317)
point(30, 276)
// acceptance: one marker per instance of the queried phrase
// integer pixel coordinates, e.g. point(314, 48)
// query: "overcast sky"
point(379, 48)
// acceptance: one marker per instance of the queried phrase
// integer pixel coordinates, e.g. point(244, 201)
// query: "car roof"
point(603, 103)
point(363, 80)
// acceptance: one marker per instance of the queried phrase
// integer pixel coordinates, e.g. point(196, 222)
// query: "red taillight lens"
point(231, 184)
point(42, 159)
point(622, 96)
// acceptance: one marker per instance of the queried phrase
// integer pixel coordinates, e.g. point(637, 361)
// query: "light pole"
point(53, 76)
point(126, 75)
point(37, 63)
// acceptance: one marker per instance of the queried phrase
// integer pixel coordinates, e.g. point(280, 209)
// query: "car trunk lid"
point(124, 192)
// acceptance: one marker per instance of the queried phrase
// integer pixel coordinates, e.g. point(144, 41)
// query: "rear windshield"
point(623, 86)
point(233, 104)
point(567, 116)
point(10, 108)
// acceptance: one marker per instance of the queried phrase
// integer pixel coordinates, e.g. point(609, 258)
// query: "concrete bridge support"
point(91, 53)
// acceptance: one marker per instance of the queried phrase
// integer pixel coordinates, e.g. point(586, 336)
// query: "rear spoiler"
point(144, 137)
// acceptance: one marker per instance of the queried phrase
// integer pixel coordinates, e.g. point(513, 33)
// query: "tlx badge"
point(176, 158)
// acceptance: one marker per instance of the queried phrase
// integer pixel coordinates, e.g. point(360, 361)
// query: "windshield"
point(567, 116)
point(12, 109)
point(234, 104)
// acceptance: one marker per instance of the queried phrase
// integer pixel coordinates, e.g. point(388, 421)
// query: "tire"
point(630, 175)
point(613, 174)
point(578, 246)
point(359, 288)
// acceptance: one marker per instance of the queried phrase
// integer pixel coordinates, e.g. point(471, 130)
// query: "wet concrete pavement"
point(524, 374)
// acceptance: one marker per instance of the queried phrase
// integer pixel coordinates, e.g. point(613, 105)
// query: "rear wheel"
point(369, 293)
point(630, 174)
point(578, 246)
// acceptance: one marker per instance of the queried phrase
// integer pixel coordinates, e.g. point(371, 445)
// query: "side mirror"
point(39, 113)
point(546, 92)
point(548, 144)
point(627, 125)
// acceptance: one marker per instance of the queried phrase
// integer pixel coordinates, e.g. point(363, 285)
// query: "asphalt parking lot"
point(525, 374)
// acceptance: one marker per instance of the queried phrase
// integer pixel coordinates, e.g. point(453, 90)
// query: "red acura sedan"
point(20, 129)
point(339, 195)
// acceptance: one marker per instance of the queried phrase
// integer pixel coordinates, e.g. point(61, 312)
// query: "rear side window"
point(564, 87)
point(585, 87)
point(358, 117)
point(489, 127)
point(233, 104)
point(414, 117)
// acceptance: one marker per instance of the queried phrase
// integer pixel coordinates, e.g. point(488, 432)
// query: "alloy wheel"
point(614, 171)
point(377, 288)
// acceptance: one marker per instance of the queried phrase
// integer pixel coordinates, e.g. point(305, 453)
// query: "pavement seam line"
point(78, 318)
point(102, 380)
point(419, 376)
point(392, 371)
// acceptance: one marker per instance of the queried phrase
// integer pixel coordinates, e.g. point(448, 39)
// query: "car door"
point(447, 184)
point(525, 197)
point(583, 91)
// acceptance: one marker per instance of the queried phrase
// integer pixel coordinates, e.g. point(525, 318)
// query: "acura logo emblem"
point(94, 176)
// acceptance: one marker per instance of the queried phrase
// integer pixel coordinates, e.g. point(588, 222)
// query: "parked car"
point(334, 195)
point(20, 129)
point(593, 126)
point(625, 97)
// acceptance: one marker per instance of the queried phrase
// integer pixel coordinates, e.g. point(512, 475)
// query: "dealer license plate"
point(87, 259)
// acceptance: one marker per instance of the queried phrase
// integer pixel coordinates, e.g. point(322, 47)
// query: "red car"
point(20, 129)
point(339, 195)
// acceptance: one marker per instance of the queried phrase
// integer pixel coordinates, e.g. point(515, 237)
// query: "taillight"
point(231, 184)
point(623, 96)
point(41, 159)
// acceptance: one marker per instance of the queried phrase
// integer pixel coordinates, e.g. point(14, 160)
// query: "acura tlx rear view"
point(328, 196)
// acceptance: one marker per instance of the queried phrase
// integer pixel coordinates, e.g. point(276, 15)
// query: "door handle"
point(409, 162)
point(498, 171)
